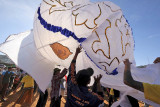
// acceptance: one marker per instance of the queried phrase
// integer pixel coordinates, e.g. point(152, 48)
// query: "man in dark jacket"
point(5, 82)
point(78, 93)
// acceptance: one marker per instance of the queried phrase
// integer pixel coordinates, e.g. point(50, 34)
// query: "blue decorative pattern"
point(114, 72)
point(55, 29)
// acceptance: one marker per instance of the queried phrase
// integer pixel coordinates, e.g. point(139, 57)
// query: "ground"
point(12, 98)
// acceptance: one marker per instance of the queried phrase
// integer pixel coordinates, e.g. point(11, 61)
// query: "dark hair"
point(56, 70)
point(9, 67)
point(21, 70)
point(83, 80)
point(83, 76)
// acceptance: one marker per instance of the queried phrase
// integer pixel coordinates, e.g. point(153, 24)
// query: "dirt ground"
point(13, 97)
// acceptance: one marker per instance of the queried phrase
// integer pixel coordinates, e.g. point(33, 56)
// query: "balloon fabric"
point(60, 26)
point(99, 27)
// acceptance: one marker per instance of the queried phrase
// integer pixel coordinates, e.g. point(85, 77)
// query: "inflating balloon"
point(100, 28)
point(60, 26)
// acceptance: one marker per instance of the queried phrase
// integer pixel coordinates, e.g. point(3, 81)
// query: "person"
point(42, 98)
point(18, 72)
point(23, 73)
point(5, 82)
point(27, 92)
point(1, 79)
point(12, 80)
point(35, 87)
point(146, 105)
point(1, 71)
point(16, 82)
point(112, 99)
point(65, 86)
point(2, 66)
point(55, 84)
point(78, 93)
point(133, 102)
point(151, 91)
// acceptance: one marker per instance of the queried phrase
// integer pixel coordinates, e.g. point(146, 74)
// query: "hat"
point(85, 72)
point(83, 76)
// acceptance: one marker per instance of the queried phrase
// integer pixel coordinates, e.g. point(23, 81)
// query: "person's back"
point(28, 81)
point(6, 76)
point(5, 82)
point(78, 93)
point(27, 93)
point(81, 96)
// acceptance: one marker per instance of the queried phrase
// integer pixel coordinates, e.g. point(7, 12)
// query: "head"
point(9, 68)
point(14, 69)
point(56, 71)
point(157, 60)
point(83, 77)
point(18, 69)
point(6, 68)
point(26, 73)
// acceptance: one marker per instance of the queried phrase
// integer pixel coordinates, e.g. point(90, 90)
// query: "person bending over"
point(26, 96)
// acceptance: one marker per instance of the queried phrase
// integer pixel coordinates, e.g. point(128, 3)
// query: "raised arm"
point(128, 80)
point(97, 85)
point(97, 79)
point(78, 50)
point(61, 75)
point(72, 68)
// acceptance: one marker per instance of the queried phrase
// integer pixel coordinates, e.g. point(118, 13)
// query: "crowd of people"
point(78, 92)
point(9, 79)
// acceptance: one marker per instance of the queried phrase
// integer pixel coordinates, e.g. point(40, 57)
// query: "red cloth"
point(65, 78)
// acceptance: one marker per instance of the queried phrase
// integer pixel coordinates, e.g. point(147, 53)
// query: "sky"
point(16, 16)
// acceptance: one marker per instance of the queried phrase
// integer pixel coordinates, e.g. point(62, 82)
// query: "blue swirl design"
point(55, 29)
point(114, 72)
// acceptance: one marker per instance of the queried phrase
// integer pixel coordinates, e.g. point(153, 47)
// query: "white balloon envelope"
point(101, 29)
point(61, 25)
